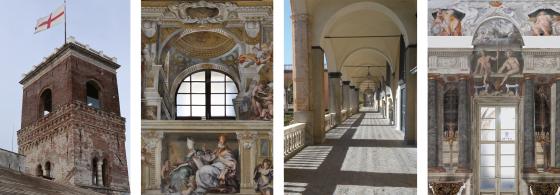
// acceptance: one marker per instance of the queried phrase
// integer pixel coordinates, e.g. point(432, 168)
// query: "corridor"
point(363, 155)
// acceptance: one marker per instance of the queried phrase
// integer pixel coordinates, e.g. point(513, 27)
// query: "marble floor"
point(363, 155)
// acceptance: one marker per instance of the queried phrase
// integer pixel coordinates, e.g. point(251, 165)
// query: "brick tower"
point(71, 128)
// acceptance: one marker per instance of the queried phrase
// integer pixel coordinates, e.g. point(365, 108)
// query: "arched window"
point(39, 171)
point(48, 169)
point(92, 95)
point(94, 172)
point(46, 102)
point(105, 172)
point(206, 95)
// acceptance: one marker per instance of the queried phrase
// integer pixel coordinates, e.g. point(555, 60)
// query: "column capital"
point(528, 76)
point(352, 87)
point(557, 77)
point(463, 76)
point(357, 89)
point(346, 82)
point(433, 76)
point(335, 74)
point(299, 17)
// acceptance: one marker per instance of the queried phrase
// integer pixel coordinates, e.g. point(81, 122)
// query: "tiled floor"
point(363, 155)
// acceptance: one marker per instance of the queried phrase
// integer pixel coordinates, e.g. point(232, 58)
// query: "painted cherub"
point(263, 177)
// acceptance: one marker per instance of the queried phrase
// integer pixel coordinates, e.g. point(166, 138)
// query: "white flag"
point(52, 19)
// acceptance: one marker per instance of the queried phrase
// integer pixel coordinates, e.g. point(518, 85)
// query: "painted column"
point(346, 96)
point(557, 127)
point(335, 96)
point(463, 120)
point(432, 122)
point(316, 93)
point(529, 125)
point(247, 158)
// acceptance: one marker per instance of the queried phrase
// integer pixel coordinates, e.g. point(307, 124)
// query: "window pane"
point(187, 79)
point(230, 111)
point(508, 123)
point(507, 135)
point(198, 111)
point(229, 98)
point(488, 160)
point(231, 88)
point(507, 148)
point(228, 78)
point(217, 88)
point(183, 111)
point(488, 124)
point(487, 172)
point(198, 87)
point(487, 184)
point(507, 113)
point(507, 172)
point(507, 184)
point(185, 87)
point(487, 149)
point(198, 99)
point(217, 99)
point(183, 99)
point(507, 160)
point(487, 135)
point(487, 112)
point(199, 76)
point(216, 76)
point(217, 110)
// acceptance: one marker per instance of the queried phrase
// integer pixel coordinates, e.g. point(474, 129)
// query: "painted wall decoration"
point(532, 18)
point(497, 32)
point(447, 22)
point(200, 164)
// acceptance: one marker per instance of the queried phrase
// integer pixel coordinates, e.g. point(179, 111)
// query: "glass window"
point(205, 95)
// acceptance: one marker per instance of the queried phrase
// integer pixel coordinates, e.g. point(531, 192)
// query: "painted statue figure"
point(511, 65)
point(181, 178)
point(219, 175)
point(262, 101)
point(263, 177)
point(483, 65)
point(542, 25)
point(446, 23)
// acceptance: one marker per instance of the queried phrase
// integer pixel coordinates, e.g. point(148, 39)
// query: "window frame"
point(207, 96)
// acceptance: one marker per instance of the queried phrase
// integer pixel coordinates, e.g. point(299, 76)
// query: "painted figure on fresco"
point(262, 100)
point(545, 22)
point(447, 22)
point(483, 65)
point(263, 177)
point(219, 174)
point(511, 66)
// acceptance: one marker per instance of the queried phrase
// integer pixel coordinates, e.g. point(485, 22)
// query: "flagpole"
point(65, 12)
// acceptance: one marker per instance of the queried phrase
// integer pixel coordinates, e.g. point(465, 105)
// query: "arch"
point(93, 94)
point(182, 32)
point(39, 171)
point(94, 172)
point(378, 51)
point(105, 170)
point(48, 167)
point(358, 6)
point(46, 105)
point(515, 25)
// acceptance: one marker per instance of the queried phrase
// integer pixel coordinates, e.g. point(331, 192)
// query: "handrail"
point(294, 138)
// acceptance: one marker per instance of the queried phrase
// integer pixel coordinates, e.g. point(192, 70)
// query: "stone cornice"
point(206, 126)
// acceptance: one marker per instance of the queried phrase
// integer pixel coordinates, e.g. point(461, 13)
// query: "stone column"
point(433, 146)
point(529, 125)
point(410, 133)
point(247, 158)
point(346, 96)
point(557, 126)
point(335, 96)
point(352, 98)
point(301, 75)
point(316, 91)
point(462, 127)
point(357, 100)
point(100, 172)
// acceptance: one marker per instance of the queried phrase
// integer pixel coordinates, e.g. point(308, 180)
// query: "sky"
point(287, 33)
point(103, 24)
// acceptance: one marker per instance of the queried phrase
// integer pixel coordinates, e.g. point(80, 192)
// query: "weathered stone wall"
point(12, 160)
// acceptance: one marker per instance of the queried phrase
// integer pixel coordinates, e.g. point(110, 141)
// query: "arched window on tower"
point(46, 102)
point(48, 170)
point(39, 171)
point(206, 94)
point(105, 172)
point(92, 95)
point(94, 172)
